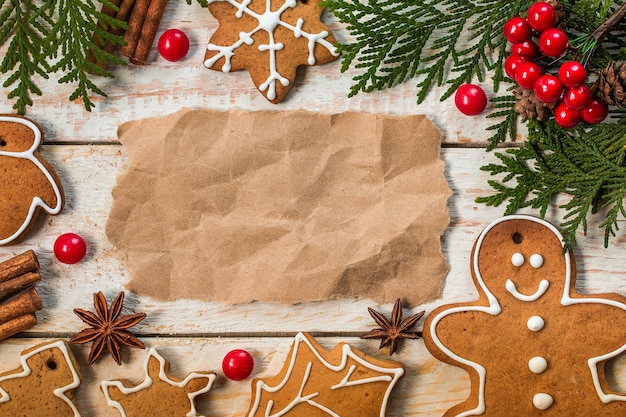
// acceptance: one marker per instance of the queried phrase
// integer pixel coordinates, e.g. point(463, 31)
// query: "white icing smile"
point(512, 289)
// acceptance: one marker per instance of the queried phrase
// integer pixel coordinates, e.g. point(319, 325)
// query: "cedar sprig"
point(587, 167)
point(20, 21)
point(504, 111)
point(47, 36)
point(202, 3)
point(439, 42)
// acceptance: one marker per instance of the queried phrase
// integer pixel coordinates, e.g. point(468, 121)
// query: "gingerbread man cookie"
point(531, 344)
point(269, 38)
point(29, 184)
point(160, 394)
point(43, 385)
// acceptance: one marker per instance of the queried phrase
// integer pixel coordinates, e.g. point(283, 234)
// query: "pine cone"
point(611, 83)
point(529, 107)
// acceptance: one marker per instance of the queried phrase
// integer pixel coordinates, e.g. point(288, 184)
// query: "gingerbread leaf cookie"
point(160, 394)
point(531, 344)
point(269, 38)
point(43, 385)
point(29, 184)
point(316, 382)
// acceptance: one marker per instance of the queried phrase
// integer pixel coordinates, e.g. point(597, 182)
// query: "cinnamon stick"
point(27, 302)
point(148, 32)
point(17, 325)
point(123, 14)
point(18, 265)
point(107, 11)
point(18, 283)
point(135, 23)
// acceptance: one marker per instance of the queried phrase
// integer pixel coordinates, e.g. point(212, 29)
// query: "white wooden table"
point(193, 335)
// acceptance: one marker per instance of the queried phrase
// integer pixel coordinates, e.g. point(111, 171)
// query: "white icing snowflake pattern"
point(268, 21)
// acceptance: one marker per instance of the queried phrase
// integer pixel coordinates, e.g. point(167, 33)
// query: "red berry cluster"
point(575, 102)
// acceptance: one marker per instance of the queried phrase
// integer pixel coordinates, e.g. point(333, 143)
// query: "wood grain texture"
point(193, 335)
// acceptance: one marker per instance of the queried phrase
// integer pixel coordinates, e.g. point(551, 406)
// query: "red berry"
point(527, 74)
point(237, 364)
point(548, 88)
point(69, 248)
point(173, 45)
point(572, 74)
point(576, 98)
point(527, 48)
point(541, 16)
point(470, 99)
point(553, 42)
point(517, 30)
point(595, 112)
point(566, 117)
point(511, 64)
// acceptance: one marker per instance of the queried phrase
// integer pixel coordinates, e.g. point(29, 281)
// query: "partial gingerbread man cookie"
point(43, 385)
point(29, 184)
point(160, 394)
point(314, 382)
point(269, 38)
point(531, 344)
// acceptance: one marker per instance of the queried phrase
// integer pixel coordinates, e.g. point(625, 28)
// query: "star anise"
point(391, 331)
point(107, 328)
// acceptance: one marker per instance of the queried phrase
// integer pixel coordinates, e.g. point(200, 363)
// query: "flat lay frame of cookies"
point(301, 208)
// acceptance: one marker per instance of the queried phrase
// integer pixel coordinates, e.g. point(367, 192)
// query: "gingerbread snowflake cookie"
point(531, 343)
point(43, 385)
point(269, 38)
point(29, 184)
point(160, 394)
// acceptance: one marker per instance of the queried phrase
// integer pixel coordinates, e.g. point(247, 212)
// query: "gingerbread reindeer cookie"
point(531, 344)
point(29, 184)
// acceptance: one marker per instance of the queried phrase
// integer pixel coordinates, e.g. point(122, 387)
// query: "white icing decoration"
point(536, 261)
point(543, 287)
point(268, 21)
point(59, 392)
point(29, 155)
point(517, 259)
point(535, 323)
point(537, 364)
point(392, 375)
point(152, 353)
point(494, 309)
point(542, 401)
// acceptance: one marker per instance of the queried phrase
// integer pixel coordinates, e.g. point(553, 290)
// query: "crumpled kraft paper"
point(283, 207)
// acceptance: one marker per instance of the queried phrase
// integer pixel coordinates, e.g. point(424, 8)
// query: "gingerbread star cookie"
point(314, 382)
point(43, 385)
point(531, 344)
point(29, 184)
point(269, 38)
point(160, 394)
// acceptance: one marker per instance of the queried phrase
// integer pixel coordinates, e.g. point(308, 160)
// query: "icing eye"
point(517, 238)
point(536, 261)
point(517, 259)
point(3, 141)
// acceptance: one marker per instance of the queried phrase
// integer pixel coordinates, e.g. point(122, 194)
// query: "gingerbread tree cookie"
point(43, 385)
point(269, 38)
point(29, 184)
point(316, 382)
point(160, 394)
point(532, 345)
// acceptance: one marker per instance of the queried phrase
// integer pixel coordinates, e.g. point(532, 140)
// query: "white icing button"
point(517, 259)
point(536, 261)
point(537, 364)
point(542, 401)
point(535, 323)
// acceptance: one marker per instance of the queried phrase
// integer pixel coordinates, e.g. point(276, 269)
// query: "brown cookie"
point(29, 184)
point(315, 381)
point(43, 385)
point(531, 344)
point(160, 394)
point(269, 38)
